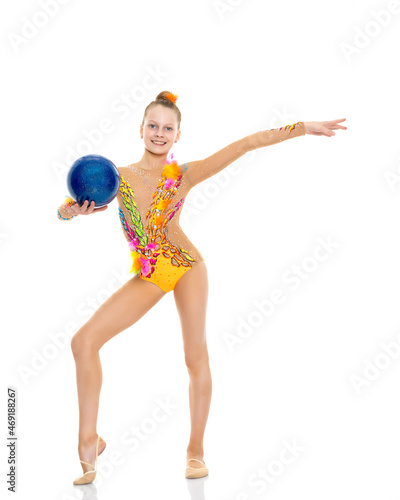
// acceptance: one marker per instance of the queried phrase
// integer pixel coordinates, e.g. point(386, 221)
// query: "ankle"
point(194, 452)
point(87, 439)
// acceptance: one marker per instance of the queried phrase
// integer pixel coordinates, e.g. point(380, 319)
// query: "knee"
point(82, 343)
point(196, 361)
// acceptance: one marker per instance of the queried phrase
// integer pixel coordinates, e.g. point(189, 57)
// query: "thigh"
point(191, 296)
point(125, 306)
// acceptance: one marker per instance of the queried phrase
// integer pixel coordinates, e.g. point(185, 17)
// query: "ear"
point(141, 131)
point(177, 136)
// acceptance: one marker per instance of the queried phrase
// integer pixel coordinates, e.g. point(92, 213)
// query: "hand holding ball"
point(85, 209)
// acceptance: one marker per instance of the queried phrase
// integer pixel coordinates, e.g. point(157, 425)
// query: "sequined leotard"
point(150, 202)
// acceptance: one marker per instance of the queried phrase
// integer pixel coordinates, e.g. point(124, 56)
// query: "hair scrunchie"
point(171, 97)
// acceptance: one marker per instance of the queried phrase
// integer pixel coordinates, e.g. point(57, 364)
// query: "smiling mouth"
point(159, 143)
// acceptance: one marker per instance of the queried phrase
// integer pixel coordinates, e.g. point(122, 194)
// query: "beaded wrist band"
point(68, 202)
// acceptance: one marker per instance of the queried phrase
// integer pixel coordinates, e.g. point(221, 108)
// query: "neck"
point(151, 161)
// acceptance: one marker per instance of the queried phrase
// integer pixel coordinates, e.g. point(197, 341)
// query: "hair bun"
point(169, 96)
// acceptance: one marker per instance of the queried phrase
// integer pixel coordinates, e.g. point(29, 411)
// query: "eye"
point(170, 128)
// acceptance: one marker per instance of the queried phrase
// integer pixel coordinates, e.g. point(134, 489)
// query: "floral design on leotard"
point(139, 244)
point(160, 213)
point(290, 127)
point(147, 244)
point(129, 201)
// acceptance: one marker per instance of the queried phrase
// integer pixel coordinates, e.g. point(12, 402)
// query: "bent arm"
point(198, 171)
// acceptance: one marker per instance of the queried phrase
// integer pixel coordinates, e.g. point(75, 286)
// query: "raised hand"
point(324, 128)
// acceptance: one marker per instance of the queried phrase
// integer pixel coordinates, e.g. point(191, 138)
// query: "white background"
point(238, 67)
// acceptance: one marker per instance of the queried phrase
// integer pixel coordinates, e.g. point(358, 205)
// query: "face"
point(160, 129)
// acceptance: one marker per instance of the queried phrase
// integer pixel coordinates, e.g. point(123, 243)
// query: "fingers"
point(82, 209)
point(336, 127)
point(333, 124)
point(89, 208)
point(325, 129)
point(73, 209)
point(329, 126)
point(85, 208)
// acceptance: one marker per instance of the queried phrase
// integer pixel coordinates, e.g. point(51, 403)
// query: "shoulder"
point(123, 171)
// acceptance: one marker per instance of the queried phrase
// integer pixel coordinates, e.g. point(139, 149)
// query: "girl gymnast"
point(151, 194)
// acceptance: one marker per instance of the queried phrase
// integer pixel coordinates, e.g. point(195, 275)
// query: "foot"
point(195, 469)
point(194, 463)
point(87, 451)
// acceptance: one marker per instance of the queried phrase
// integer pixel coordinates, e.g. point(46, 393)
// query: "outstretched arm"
point(198, 171)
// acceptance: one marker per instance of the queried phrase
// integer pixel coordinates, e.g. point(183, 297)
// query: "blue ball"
point(93, 178)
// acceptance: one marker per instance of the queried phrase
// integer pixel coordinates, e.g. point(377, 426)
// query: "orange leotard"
point(150, 202)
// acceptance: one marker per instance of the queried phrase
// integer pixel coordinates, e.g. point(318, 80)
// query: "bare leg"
point(126, 306)
point(191, 295)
